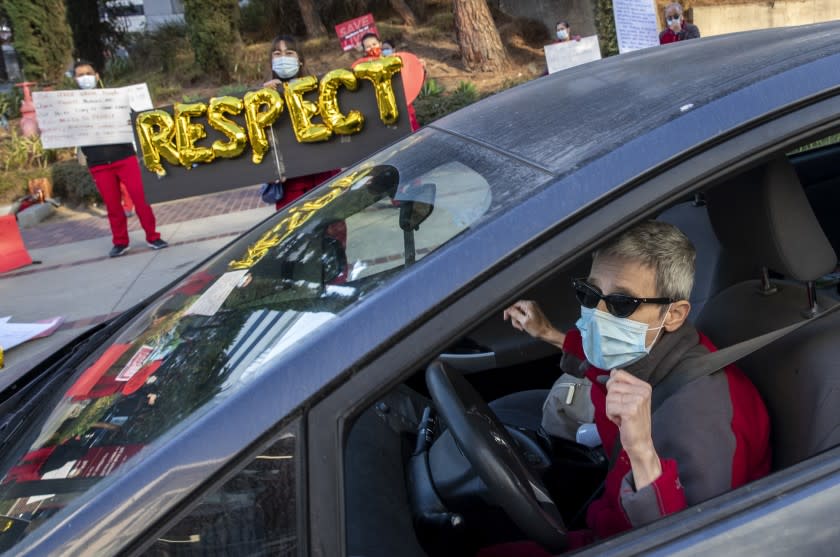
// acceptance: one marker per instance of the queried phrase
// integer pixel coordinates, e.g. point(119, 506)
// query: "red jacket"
point(296, 187)
point(688, 31)
point(711, 437)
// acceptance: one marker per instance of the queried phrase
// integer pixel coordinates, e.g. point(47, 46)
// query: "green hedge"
point(73, 182)
point(42, 37)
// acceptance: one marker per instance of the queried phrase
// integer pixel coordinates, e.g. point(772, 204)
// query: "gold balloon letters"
point(257, 120)
point(156, 130)
point(235, 134)
point(174, 139)
point(379, 72)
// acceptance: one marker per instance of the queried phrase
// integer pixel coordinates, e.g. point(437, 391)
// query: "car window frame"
point(706, 164)
point(295, 425)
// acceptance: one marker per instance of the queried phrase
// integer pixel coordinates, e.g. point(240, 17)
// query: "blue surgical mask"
point(610, 342)
point(285, 67)
point(387, 51)
point(562, 34)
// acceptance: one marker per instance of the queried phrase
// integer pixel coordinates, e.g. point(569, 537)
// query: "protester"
point(564, 32)
point(287, 63)
point(387, 48)
point(111, 165)
point(706, 439)
point(678, 29)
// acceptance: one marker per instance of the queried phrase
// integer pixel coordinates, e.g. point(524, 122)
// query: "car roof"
point(589, 110)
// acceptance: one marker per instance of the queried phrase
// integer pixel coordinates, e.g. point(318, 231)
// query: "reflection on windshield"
point(232, 320)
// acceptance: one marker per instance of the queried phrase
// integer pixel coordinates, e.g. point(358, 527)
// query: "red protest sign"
point(350, 32)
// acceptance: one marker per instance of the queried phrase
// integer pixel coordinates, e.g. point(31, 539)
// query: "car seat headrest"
point(764, 216)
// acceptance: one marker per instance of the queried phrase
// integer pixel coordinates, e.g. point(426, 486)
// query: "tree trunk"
point(404, 11)
point(479, 40)
point(311, 19)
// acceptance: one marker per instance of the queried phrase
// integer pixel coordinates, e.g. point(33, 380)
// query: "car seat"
point(764, 217)
point(715, 268)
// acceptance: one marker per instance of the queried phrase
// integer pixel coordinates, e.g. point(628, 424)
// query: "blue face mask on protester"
point(610, 342)
point(285, 67)
point(562, 34)
point(387, 51)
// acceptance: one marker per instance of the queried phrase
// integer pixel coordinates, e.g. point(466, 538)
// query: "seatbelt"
point(714, 361)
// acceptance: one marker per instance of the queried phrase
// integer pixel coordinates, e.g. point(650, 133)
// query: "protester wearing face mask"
point(564, 32)
point(678, 29)
point(708, 438)
point(111, 165)
point(287, 63)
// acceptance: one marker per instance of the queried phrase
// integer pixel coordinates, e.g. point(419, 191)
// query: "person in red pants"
point(111, 165)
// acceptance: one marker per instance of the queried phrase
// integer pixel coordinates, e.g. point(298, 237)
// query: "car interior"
point(767, 242)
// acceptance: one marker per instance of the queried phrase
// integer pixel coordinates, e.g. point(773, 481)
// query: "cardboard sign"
point(350, 32)
point(635, 24)
point(82, 117)
point(286, 156)
point(560, 56)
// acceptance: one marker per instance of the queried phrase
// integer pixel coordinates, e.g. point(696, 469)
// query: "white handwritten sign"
point(81, 117)
point(559, 56)
point(635, 24)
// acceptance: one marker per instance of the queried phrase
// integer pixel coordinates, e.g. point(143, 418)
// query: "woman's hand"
point(628, 407)
point(273, 83)
point(526, 315)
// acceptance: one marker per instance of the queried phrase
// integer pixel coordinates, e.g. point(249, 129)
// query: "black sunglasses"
point(620, 305)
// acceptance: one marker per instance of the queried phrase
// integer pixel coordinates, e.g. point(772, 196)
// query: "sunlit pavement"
point(77, 280)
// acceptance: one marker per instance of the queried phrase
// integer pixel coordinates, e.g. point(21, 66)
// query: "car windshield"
point(217, 328)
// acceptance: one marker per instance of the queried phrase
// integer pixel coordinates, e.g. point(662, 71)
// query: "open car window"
point(220, 327)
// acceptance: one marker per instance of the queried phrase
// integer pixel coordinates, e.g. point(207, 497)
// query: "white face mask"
point(86, 81)
point(610, 342)
point(285, 67)
point(674, 23)
point(562, 34)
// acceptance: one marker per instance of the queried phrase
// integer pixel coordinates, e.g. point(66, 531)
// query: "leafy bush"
point(431, 88)
point(73, 182)
point(18, 152)
point(605, 26)
point(213, 30)
point(432, 106)
point(166, 49)
point(10, 103)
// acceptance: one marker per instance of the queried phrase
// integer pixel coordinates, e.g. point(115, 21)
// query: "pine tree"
point(42, 37)
point(213, 30)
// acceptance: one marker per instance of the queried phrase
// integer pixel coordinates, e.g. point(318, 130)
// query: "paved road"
point(77, 280)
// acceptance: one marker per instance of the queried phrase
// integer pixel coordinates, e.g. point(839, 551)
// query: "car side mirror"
point(416, 202)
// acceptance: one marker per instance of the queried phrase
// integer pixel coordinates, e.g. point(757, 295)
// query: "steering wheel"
point(493, 454)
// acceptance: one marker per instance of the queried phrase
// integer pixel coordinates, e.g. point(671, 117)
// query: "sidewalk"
point(78, 281)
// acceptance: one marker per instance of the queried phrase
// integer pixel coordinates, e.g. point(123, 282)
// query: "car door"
point(745, 513)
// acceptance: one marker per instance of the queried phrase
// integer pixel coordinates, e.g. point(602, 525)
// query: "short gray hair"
point(676, 5)
point(662, 247)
